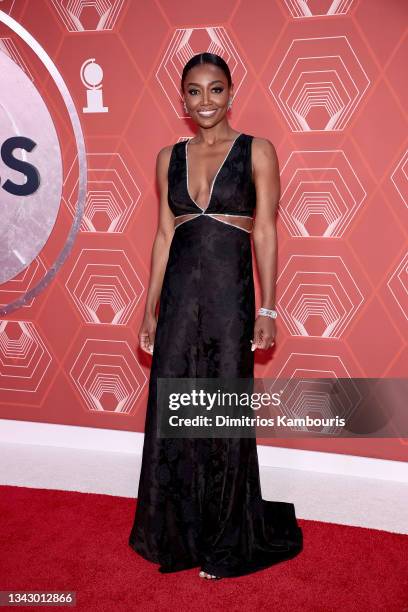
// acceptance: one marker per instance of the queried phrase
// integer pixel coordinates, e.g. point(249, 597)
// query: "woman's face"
point(206, 89)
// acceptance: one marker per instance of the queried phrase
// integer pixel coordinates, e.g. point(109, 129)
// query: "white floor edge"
point(324, 487)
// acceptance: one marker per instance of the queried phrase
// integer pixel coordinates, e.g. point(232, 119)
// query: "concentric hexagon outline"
point(321, 304)
point(127, 186)
point(85, 309)
point(76, 372)
point(69, 12)
point(30, 331)
point(339, 119)
point(341, 223)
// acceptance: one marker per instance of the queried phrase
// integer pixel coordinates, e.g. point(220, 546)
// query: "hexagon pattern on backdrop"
point(323, 81)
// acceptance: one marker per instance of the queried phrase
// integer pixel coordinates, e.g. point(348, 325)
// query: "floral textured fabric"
point(199, 500)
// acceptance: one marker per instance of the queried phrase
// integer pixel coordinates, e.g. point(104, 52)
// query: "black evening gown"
point(199, 499)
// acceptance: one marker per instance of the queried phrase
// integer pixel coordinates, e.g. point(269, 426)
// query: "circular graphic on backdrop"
point(52, 70)
point(26, 220)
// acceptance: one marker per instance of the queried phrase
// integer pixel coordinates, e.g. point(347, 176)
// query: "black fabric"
point(199, 500)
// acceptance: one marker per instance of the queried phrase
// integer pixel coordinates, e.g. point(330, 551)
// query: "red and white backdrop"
point(324, 80)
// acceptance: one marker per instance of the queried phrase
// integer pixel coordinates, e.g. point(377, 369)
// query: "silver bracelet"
point(268, 312)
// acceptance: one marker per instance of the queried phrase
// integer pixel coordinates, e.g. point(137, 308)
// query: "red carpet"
point(57, 540)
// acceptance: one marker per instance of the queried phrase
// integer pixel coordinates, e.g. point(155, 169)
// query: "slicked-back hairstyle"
point(206, 58)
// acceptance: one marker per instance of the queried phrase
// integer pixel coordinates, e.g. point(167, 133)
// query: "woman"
point(199, 500)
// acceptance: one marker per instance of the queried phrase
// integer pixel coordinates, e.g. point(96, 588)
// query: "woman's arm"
point(160, 253)
point(267, 182)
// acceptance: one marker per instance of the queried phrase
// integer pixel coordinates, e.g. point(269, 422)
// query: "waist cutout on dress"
point(242, 222)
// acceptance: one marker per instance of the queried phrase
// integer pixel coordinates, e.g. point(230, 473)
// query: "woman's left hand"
point(264, 333)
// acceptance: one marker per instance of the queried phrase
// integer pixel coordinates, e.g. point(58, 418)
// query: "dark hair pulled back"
point(206, 58)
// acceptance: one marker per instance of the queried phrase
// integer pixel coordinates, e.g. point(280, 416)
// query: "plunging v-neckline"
point(215, 177)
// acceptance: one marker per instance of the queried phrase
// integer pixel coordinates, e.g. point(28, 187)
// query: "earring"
point(229, 104)
point(185, 107)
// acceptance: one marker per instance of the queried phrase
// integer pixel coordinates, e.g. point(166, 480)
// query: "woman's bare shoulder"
point(163, 157)
point(264, 156)
point(165, 152)
point(263, 146)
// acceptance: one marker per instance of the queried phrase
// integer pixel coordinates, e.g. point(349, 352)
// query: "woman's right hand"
point(147, 333)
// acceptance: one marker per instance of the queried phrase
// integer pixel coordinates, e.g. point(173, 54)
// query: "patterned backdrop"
point(324, 80)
